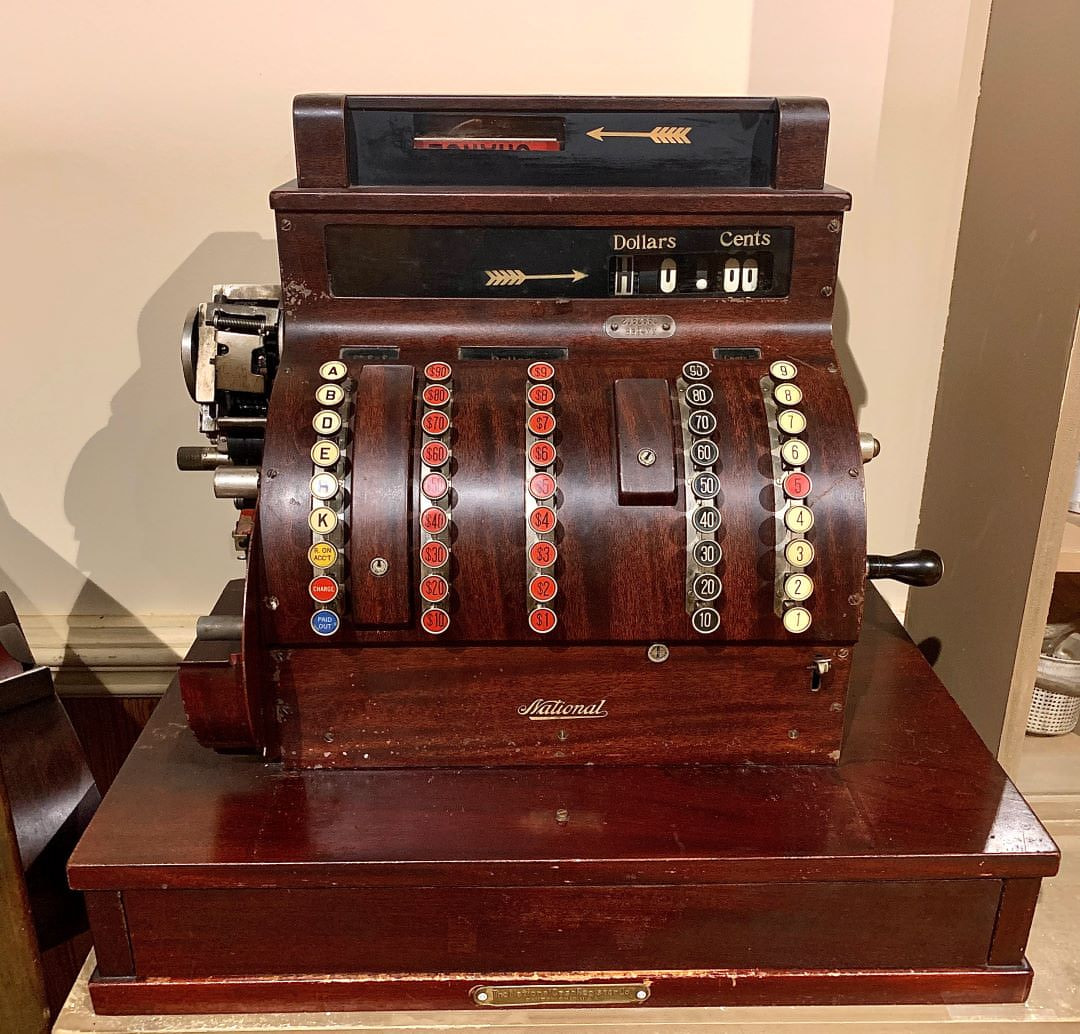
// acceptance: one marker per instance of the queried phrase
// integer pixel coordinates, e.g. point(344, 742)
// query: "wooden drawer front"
point(203, 933)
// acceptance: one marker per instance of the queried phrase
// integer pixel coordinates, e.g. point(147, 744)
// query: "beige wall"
point(139, 142)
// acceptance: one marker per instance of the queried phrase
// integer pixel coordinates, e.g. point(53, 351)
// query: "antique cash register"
point(555, 677)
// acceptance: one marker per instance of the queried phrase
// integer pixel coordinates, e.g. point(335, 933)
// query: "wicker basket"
point(1053, 714)
point(1055, 705)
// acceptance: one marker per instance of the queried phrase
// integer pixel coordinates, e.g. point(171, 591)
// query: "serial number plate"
point(560, 994)
point(639, 326)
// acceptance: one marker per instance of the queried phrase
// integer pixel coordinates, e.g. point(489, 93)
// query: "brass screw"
point(328, 736)
point(826, 291)
point(793, 734)
point(286, 224)
point(272, 603)
point(834, 226)
point(562, 816)
point(646, 457)
point(379, 566)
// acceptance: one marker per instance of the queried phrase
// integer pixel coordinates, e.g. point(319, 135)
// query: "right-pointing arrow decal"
point(516, 277)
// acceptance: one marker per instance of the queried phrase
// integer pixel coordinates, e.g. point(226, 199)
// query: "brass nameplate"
point(523, 995)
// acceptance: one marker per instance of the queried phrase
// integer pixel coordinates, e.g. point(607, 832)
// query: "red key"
point(434, 553)
point(323, 589)
point(435, 422)
point(435, 454)
point(541, 486)
point(436, 620)
point(543, 554)
point(437, 371)
point(541, 394)
point(541, 454)
point(797, 485)
point(436, 394)
point(541, 372)
point(543, 588)
point(542, 519)
point(543, 620)
point(541, 423)
point(433, 520)
point(433, 588)
point(434, 486)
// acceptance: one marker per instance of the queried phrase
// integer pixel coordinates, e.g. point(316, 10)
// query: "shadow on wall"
point(848, 367)
point(28, 564)
point(136, 517)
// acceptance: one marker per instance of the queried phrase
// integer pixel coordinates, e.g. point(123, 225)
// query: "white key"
point(797, 619)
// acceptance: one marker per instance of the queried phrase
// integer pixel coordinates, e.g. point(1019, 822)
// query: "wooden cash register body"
point(746, 816)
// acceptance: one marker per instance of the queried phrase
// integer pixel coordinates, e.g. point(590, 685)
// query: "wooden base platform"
point(907, 873)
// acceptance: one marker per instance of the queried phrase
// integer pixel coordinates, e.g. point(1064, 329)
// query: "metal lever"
point(915, 567)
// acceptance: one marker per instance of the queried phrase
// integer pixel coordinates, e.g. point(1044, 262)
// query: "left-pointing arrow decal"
point(515, 277)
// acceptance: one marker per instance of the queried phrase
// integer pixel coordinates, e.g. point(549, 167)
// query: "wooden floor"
point(1054, 951)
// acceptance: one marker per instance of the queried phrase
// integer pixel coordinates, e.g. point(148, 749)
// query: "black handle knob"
point(915, 567)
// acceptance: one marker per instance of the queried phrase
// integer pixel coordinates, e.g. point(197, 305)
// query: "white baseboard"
point(122, 656)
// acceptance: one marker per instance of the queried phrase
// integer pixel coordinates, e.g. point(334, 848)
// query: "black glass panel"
point(628, 149)
point(546, 262)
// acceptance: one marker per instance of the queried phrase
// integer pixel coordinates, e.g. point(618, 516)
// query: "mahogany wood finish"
point(800, 143)
point(645, 422)
point(381, 487)
point(108, 726)
point(453, 705)
point(215, 692)
point(905, 873)
point(47, 797)
point(109, 923)
point(709, 987)
point(319, 129)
